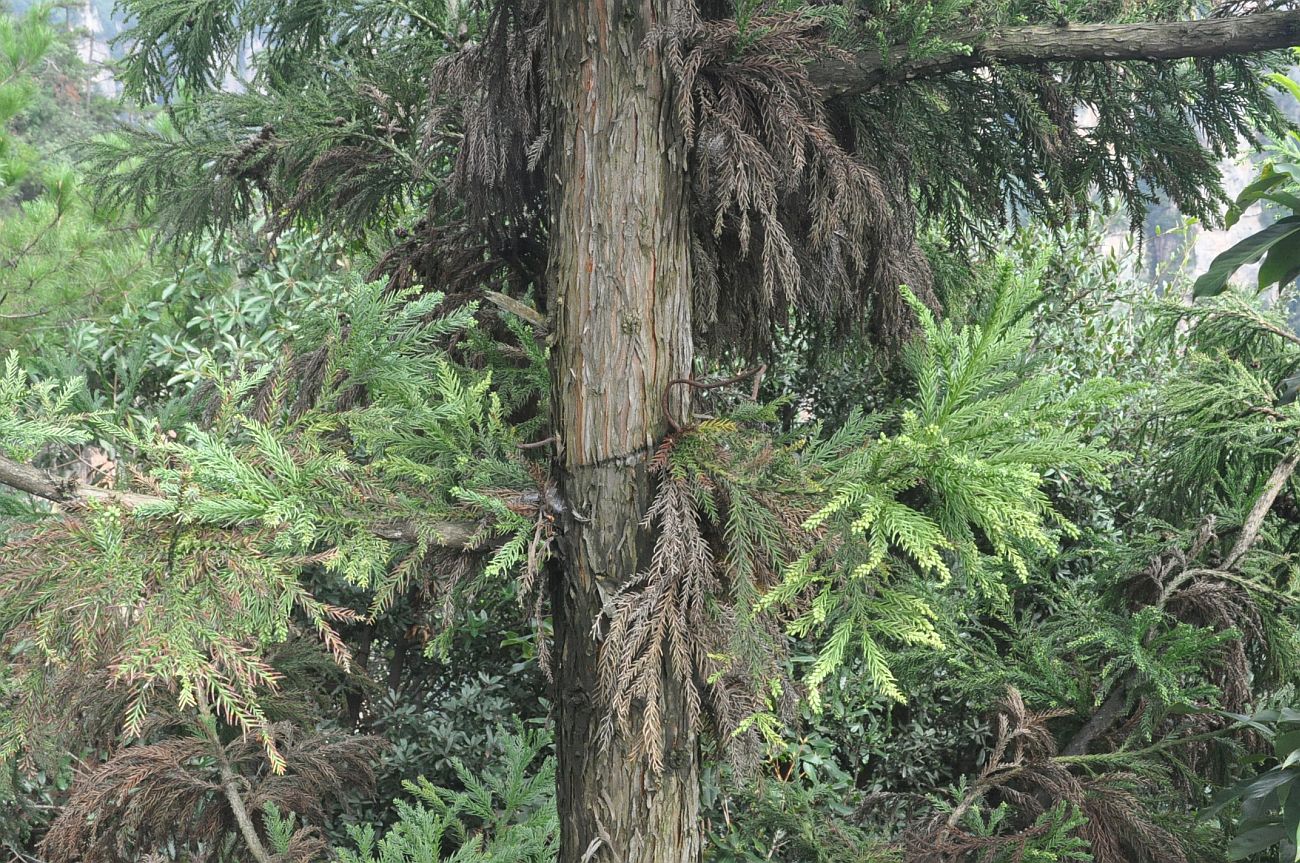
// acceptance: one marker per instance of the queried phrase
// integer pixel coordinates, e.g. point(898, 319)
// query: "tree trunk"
point(619, 277)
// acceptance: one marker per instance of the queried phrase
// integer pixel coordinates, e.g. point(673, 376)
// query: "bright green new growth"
point(34, 414)
point(956, 487)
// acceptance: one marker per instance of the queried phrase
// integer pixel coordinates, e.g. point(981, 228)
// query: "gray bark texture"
point(1049, 43)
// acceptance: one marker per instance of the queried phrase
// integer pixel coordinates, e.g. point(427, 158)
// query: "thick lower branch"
point(1047, 43)
point(69, 493)
point(229, 784)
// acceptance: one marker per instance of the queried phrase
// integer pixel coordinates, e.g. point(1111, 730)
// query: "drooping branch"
point(1255, 520)
point(1047, 43)
point(1114, 708)
point(69, 493)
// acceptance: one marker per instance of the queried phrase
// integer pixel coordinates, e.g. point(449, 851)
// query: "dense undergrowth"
point(1017, 588)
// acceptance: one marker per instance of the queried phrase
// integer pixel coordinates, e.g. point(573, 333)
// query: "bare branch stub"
point(677, 428)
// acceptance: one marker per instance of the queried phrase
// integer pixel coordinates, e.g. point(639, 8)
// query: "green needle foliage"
point(503, 816)
point(1231, 415)
point(985, 612)
point(182, 598)
point(840, 539)
point(38, 413)
point(957, 488)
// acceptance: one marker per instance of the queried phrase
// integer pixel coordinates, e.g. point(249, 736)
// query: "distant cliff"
point(96, 23)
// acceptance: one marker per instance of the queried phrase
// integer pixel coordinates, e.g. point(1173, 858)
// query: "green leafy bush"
point(504, 814)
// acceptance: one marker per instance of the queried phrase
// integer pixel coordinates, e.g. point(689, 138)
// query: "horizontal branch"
point(445, 534)
point(1047, 43)
point(39, 483)
point(72, 494)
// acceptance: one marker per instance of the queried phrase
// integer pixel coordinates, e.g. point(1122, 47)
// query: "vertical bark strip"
point(620, 291)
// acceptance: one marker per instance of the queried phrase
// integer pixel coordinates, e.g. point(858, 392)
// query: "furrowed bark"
point(1047, 43)
point(619, 277)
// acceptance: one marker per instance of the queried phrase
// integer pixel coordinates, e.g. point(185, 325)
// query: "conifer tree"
point(59, 253)
point(654, 186)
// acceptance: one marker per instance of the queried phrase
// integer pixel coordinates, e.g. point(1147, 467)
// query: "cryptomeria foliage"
point(838, 537)
point(387, 439)
point(358, 471)
point(956, 488)
point(380, 456)
point(503, 816)
point(334, 130)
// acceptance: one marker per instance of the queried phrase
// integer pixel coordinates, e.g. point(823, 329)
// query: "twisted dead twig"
point(755, 373)
point(1114, 707)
